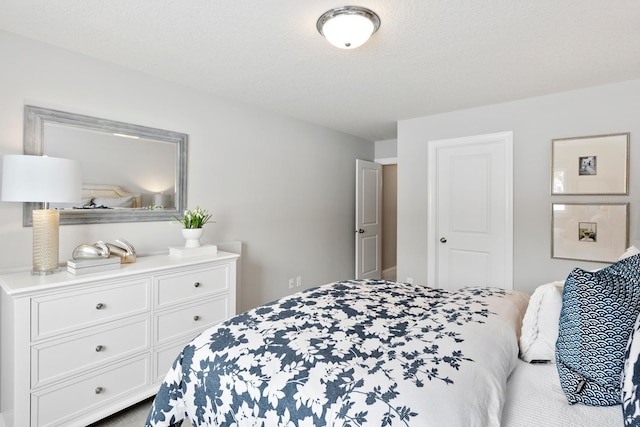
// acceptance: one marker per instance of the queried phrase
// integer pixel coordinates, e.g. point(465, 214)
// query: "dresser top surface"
point(24, 282)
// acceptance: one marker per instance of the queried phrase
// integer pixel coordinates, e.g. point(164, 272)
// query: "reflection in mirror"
point(146, 167)
point(130, 172)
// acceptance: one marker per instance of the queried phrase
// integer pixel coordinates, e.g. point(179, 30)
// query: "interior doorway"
point(389, 220)
point(470, 214)
point(368, 225)
point(376, 219)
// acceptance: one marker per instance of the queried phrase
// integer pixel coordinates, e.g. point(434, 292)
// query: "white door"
point(368, 220)
point(470, 222)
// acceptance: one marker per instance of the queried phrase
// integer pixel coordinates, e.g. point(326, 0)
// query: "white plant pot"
point(193, 236)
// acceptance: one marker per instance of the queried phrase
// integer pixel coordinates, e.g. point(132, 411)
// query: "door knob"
point(443, 240)
point(360, 231)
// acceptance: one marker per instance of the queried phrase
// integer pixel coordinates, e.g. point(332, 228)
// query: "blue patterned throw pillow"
point(598, 313)
point(631, 379)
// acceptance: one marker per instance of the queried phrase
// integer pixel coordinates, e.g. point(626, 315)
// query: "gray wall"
point(283, 187)
point(535, 122)
point(387, 149)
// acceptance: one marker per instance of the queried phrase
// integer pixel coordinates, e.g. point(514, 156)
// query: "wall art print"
point(589, 232)
point(596, 165)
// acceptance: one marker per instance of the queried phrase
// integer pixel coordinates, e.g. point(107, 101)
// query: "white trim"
point(432, 161)
point(387, 161)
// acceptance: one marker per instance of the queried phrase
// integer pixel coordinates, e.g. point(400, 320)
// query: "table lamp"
point(42, 179)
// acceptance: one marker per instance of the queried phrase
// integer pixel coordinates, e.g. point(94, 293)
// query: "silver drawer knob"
point(196, 284)
point(196, 318)
point(99, 390)
point(99, 306)
point(99, 348)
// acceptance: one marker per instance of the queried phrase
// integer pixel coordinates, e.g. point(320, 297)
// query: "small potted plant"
point(192, 223)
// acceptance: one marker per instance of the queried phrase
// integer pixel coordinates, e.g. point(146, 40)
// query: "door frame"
point(432, 185)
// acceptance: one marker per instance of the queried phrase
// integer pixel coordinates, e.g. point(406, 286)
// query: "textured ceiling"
point(429, 56)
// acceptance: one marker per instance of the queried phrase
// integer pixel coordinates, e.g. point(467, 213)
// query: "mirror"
point(129, 172)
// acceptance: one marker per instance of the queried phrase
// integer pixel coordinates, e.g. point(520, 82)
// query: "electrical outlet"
point(299, 281)
point(291, 283)
point(409, 280)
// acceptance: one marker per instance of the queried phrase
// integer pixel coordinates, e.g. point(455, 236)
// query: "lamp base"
point(45, 241)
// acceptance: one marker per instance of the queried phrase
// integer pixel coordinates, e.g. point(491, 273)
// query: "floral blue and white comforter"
point(352, 353)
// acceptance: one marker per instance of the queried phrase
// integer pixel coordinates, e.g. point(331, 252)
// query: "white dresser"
point(74, 349)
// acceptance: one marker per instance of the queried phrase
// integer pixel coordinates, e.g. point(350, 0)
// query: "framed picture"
point(589, 232)
point(590, 165)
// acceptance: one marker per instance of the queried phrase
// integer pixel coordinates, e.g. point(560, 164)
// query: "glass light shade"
point(348, 27)
point(348, 31)
point(42, 179)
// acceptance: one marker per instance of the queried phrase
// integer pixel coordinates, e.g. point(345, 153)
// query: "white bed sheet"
point(534, 398)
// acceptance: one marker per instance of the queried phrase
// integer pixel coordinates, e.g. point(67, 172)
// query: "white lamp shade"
point(348, 31)
point(40, 179)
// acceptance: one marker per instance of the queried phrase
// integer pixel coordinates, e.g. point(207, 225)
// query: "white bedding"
point(534, 399)
point(352, 353)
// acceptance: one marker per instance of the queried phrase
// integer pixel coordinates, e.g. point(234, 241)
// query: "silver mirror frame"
point(34, 144)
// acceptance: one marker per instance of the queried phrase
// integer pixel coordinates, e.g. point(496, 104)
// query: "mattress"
point(534, 398)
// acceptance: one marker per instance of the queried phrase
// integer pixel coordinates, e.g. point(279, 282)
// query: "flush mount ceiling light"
point(348, 27)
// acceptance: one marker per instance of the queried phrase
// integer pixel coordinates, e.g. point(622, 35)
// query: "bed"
point(351, 353)
point(374, 352)
point(103, 196)
point(534, 398)
point(110, 195)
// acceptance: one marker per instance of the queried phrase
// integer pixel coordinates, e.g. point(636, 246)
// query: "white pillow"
point(540, 323)
point(114, 202)
point(629, 252)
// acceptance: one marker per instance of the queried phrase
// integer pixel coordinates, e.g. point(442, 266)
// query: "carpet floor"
point(134, 416)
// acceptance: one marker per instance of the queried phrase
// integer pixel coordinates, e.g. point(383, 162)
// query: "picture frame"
point(593, 165)
point(589, 232)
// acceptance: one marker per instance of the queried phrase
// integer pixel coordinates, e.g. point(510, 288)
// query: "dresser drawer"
point(191, 319)
point(56, 406)
point(191, 284)
point(95, 347)
point(94, 305)
point(164, 358)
